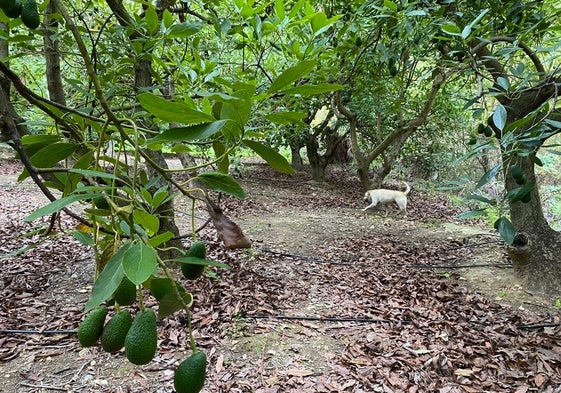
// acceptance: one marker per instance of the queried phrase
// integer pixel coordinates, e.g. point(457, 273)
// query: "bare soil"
point(329, 299)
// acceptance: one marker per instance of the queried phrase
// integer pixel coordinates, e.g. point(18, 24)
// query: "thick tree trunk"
point(52, 57)
point(317, 161)
point(536, 251)
point(393, 141)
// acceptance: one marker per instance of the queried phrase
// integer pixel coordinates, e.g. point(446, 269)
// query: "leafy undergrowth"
point(330, 299)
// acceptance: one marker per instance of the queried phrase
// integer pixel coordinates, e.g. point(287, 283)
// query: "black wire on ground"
point(538, 326)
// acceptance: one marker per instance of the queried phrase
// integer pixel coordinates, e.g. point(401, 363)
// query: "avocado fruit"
point(189, 377)
point(115, 332)
point(142, 337)
point(30, 14)
point(91, 327)
point(193, 271)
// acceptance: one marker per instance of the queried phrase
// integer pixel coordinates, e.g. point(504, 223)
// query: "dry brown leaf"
point(219, 363)
point(299, 372)
point(462, 372)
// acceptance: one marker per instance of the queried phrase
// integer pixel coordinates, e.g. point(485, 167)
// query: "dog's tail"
point(407, 188)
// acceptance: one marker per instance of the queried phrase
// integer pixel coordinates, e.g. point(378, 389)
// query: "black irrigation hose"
point(324, 319)
point(538, 326)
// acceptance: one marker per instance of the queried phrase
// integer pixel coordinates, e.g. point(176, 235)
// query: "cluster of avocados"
point(26, 9)
point(138, 335)
point(482, 129)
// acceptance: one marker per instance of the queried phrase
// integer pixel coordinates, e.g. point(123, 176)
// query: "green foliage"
point(221, 182)
point(237, 75)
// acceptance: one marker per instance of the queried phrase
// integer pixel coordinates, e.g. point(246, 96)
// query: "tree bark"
point(296, 158)
point(332, 139)
point(52, 57)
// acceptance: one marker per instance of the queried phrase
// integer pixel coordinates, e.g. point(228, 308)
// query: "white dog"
point(384, 197)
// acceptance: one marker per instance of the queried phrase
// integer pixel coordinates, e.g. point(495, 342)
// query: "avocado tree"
point(126, 82)
point(387, 57)
point(513, 55)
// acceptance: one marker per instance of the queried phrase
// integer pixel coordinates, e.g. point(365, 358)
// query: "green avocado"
point(125, 294)
point(142, 338)
point(7, 4)
point(114, 333)
point(192, 271)
point(517, 175)
point(30, 14)
point(189, 377)
point(91, 327)
point(14, 11)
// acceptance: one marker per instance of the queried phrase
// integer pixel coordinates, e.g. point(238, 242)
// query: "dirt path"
point(330, 299)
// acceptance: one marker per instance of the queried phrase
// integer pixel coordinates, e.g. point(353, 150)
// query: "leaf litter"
point(330, 299)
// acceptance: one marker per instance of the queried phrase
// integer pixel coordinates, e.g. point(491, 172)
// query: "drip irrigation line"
point(45, 332)
point(538, 326)
point(324, 319)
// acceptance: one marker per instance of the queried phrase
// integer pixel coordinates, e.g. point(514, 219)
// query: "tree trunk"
point(52, 57)
point(395, 140)
point(296, 158)
point(317, 161)
point(536, 251)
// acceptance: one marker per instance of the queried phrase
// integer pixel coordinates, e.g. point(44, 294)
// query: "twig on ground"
point(41, 386)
